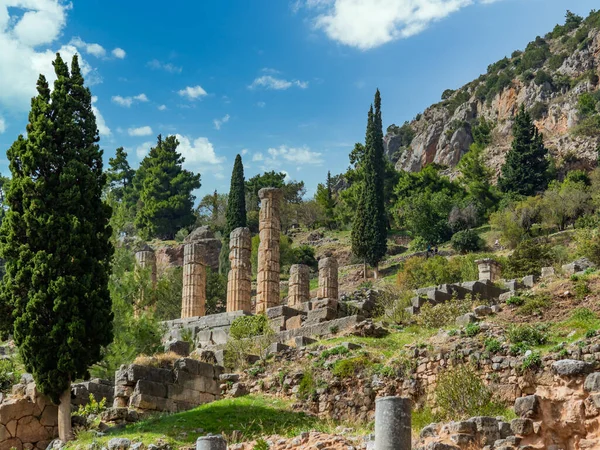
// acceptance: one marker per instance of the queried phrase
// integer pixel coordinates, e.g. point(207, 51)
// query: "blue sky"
point(285, 83)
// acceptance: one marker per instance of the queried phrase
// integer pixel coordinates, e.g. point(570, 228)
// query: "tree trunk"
point(365, 271)
point(65, 433)
point(376, 272)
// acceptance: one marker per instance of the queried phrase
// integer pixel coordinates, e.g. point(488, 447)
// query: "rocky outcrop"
point(443, 132)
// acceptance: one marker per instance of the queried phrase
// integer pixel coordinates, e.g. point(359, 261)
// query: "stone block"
point(276, 347)
point(114, 414)
point(527, 406)
point(16, 408)
point(522, 427)
point(592, 382)
point(303, 341)
point(351, 345)
point(548, 272)
point(482, 311)
point(504, 429)
point(417, 302)
point(277, 324)
point(29, 429)
point(229, 377)
point(151, 388)
point(463, 427)
point(438, 296)
point(506, 295)
point(282, 311)
point(181, 348)
point(571, 367)
point(137, 372)
point(487, 427)
point(219, 337)
point(529, 281)
point(293, 323)
point(119, 444)
point(194, 367)
point(464, 320)
point(325, 303)
point(148, 402)
point(512, 285)
point(321, 315)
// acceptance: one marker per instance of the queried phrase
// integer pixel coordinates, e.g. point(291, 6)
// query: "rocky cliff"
point(549, 77)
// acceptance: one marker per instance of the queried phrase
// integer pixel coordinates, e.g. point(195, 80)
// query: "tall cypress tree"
point(369, 230)
point(165, 191)
point(525, 170)
point(120, 174)
point(56, 240)
point(236, 210)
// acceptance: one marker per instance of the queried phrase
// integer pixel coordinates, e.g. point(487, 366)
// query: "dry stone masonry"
point(145, 261)
point(328, 278)
point(189, 384)
point(193, 295)
point(267, 292)
point(489, 269)
point(299, 285)
point(239, 279)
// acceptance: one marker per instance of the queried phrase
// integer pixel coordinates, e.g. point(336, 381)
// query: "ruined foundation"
point(328, 278)
point(193, 296)
point(239, 279)
point(267, 291)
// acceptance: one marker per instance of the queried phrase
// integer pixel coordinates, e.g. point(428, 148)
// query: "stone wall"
point(80, 392)
point(28, 419)
point(188, 384)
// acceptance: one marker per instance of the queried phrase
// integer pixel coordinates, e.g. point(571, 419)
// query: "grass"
point(253, 416)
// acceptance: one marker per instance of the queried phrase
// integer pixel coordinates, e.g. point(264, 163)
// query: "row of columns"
point(239, 279)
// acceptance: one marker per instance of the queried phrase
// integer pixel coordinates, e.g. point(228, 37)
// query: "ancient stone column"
point(328, 278)
point(392, 423)
point(267, 290)
point(193, 295)
point(239, 279)
point(145, 263)
point(299, 285)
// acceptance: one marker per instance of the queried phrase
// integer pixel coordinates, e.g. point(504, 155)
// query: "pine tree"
point(525, 171)
point(324, 198)
point(165, 191)
point(119, 174)
point(56, 241)
point(369, 231)
point(236, 210)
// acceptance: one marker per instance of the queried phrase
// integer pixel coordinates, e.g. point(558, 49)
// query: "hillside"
point(549, 77)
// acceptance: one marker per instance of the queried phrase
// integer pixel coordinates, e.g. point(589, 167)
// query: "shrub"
point(493, 345)
point(92, 407)
point(339, 350)
point(519, 349)
point(9, 374)
point(515, 300)
point(442, 314)
point(261, 444)
point(528, 259)
point(581, 289)
point(466, 241)
point(346, 368)
point(249, 326)
point(472, 329)
point(588, 127)
point(308, 385)
point(527, 334)
point(534, 304)
point(542, 77)
point(588, 244)
point(533, 361)
point(538, 110)
point(391, 304)
point(460, 393)
point(417, 272)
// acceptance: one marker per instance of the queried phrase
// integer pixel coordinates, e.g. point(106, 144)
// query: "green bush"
point(581, 289)
point(308, 385)
point(245, 327)
point(92, 407)
point(533, 361)
point(538, 110)
point(261, 444)
point(492, 345)
point(515, 300)
point(339, 350)
point(466, 241)
point(460, 393)
point(442, 314)
point(528, 259)
point(527, 334)
point(472, 329)
point(9, 374)
point(534, 303)
point(417, 272)
point(347, 368)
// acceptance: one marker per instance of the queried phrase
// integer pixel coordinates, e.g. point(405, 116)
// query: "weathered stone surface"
point(489, 269)
point(193, 294)
point(145, 262)
point(321, 315)
point(181, 348)
point(592, 382)
point(267, 280)
point(328, 278)
point(548, 272)
point(571, 367)
point(303, 341)
point(119, 444)
point(529, 281)
point(211, 246)
point(299, 285)
point(527, 406)
point(464, 320)
point(239, 279)
point(293, 323)
point(482, 311)
point(29, 429)
point(522, 427)
point(239, 390)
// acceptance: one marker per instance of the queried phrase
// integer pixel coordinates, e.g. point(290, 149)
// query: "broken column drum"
point(299, 285)
point(328, 278)
point(193, 295)
point(267, 289)
point(489, 269)
point(145, 263)
point(392, 423)
point(239, 279)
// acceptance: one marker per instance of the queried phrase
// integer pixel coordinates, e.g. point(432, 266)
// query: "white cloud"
point(193, 92)
point(128, 101)
point(2, 125)
point(141, 131)
point(219, 122)
point(143, 149)
point(119, 53)
point(261, 104)
point(29, 30)
point(162, 108)
point(93, 49)
point(270, 70)
point(300, 155)
point(103, 129)
point(168, 67)
point(199, 153)
point(278, 84)
point(258, 157)
point(366, 24)
point(244, 151)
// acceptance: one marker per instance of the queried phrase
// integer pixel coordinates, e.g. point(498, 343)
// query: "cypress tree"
point(236, 210)
point(165, 191)
point(369, 230)
point(56, 241)
point(525, 170)
point(119, 174)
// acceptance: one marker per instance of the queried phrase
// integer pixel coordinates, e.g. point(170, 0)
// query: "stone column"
point(392, 423)
point(193, 295)
point(211, 443)
point(267, 290)
point(489, 269)
point(239, 279)
point(328, 278)
point(145, 262)
point(299, 291)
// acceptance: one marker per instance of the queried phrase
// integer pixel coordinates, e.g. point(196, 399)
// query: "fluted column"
point(328, 278)
point(299, 286)
point(145, 260)
point(267, 291)
point(193, 295)
point(239, 279)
